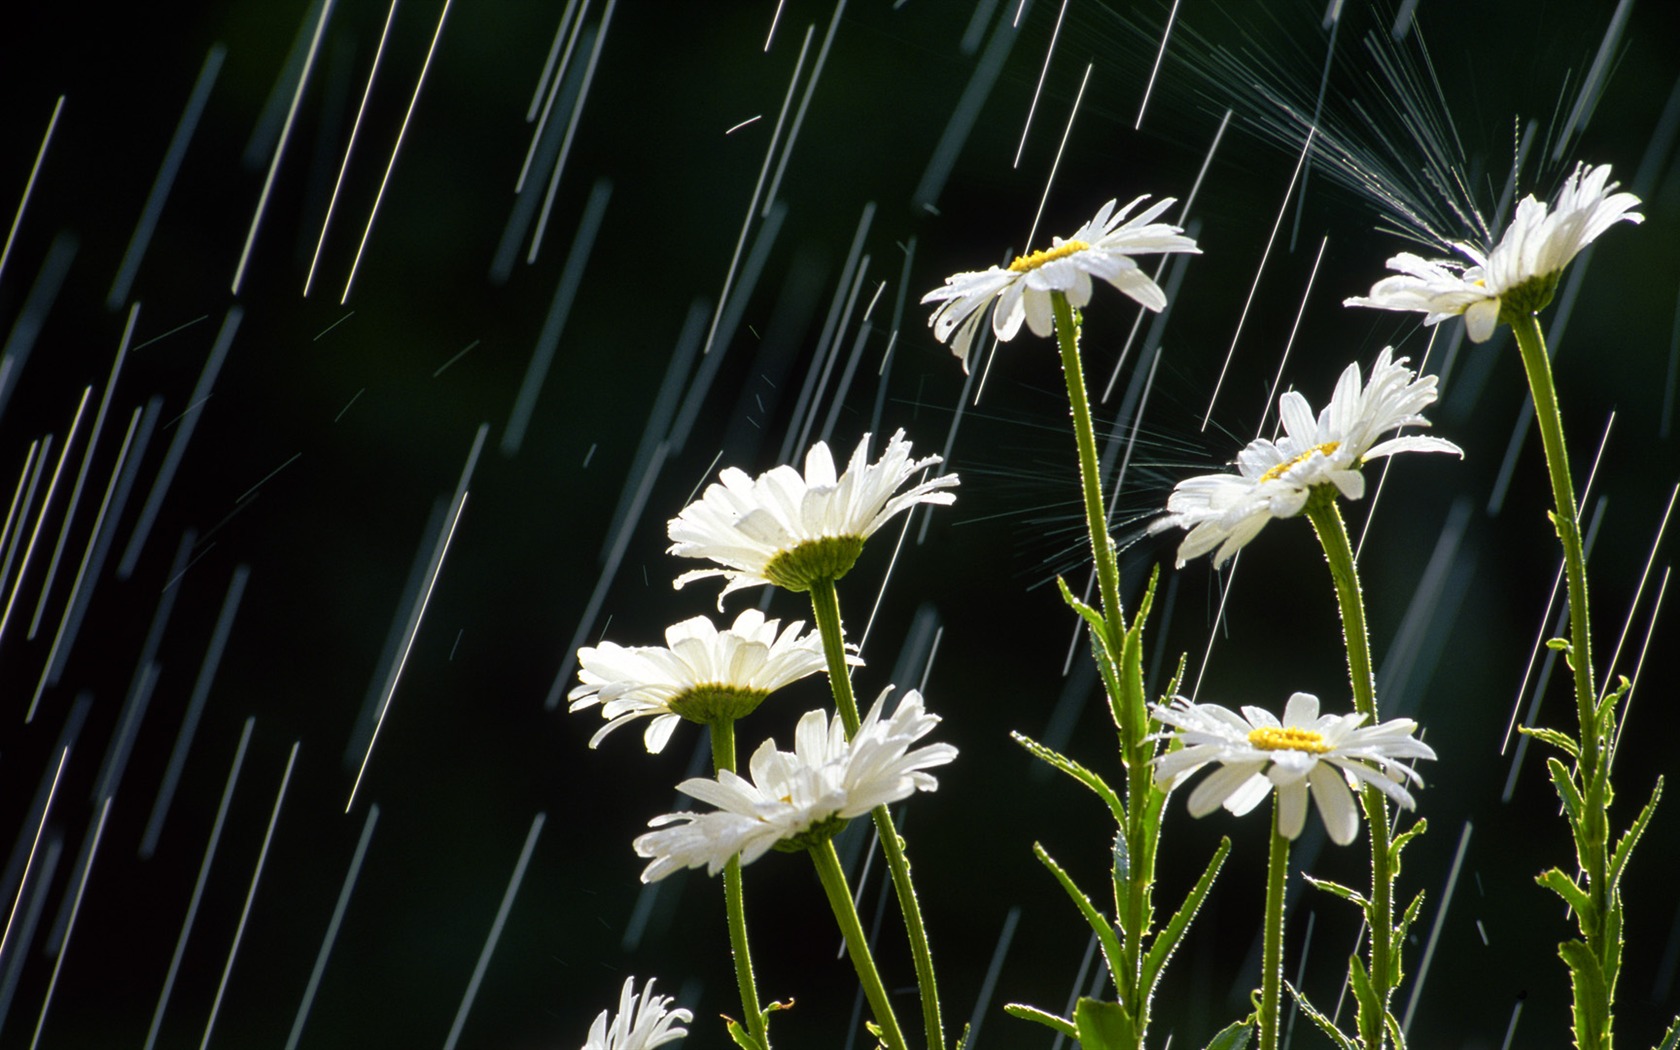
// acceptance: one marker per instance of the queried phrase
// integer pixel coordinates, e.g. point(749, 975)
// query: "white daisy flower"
point(1101, 248)
point(797, 799)
point(701, 674)
point(1305, 751)
point(1274, 478)
point(789, 529)
point(1520, 272)
point(638, 1027)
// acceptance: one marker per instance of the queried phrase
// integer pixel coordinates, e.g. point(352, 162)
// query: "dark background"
point(324, 463)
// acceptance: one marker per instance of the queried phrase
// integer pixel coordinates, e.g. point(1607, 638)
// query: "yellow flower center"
point(1023, 263)
point(1283, 468)
point(1290, 738)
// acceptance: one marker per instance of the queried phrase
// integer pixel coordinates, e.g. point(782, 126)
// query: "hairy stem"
point(1271, 962)
point(840, 899)
point(723, 757)
point(825, 607)
point(1326, 519)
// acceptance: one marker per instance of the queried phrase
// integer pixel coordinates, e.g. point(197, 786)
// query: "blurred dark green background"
point(336, 435)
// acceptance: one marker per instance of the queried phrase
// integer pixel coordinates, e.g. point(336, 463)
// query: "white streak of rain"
point(332, 927)
point(495, 931)
point(571, 132)
point(29, 186)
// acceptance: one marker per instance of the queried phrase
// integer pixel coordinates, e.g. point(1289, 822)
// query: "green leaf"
point(1564, 886)
point(1399, 844)
point(1122, 868)
point(1344, 892)
point(1076, 771)
point(1316, 1016)
point(1088, 614)
point(1558, 645)
point(1562, 741)
point(740, 1036)
point(1099, 925)
point(1043, 1017)
point(1167, 940)
point(1364, 993)
point(1233, 1036)
point(1624, 848)
point(1592, 997)
point(1671, 1039)
point(1405, 924)
point(1567, 791)
point(1103, 1026)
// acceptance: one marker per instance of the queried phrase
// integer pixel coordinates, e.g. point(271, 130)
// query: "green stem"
point(840, 899)
point(723, 757)
point(1566, 519)
point(1326, 518)
point(1592, 834)
point(825, 607)
point(1130, 711)
point(1090, 472)
point(1271, 962)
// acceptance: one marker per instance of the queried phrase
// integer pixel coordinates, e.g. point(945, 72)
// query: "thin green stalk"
point(1271, 960)
point(857, 945)
point(1090, 473)
point(1565, 516)
point(1131, 713)
point(723, 757)
point(825, 607)
point(1326, 518)
point(1592, 835)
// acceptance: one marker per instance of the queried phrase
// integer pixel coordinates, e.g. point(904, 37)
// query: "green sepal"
point(1592, 997)
point(1317, 1017)
point(1100, 926)
point(1346, 893)
point(1043, 1017)
point(1166, 942)
point(1562, 741)
point(1630, 838)
point(1234, 1036)
point(1103, 1026)
point(1574, 896)
point(1078, 772)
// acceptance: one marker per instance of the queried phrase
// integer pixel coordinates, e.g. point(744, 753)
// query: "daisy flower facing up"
point(637, 1027)
point(791, 529)
point(800, 798)
point(1101, 248)
point(1520, 273)
point(1304, 752)
point(1274, 478)
point(701, 674)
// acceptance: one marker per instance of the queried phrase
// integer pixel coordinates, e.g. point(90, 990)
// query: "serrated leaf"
point(1405, 924)
point(1564, 886)
point(1052, 757)
point(1592, 998)
point(1316, 1016)
point(962, 1040)
point(1562, 741)
point(1344, 892)
point(1086, 612)
point(1233, 1036)
point(1099, 925)
point(1166, 942)
point(1365, 994)
point(1568, 793)
point(1122, 869)
point(739, 1035)
point(1103, 1026)
point(1624, 848)
point(1043, 1017)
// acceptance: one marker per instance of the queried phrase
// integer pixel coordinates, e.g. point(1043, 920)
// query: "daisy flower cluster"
point(1518, 273)
point(701, 674)
point(1102, 248)
point(638, 1025)
point(1223, 512)
point(790, 529)
point(800, 798)
point(1302, 753)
